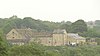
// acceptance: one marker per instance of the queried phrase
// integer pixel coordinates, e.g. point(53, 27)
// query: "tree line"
point(79, 26)
point(34, 49)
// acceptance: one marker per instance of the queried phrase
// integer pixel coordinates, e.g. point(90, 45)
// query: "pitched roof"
point(76, 36)
point(31, 33)
point(26, 33)
point(59, 31)
point(42, 34)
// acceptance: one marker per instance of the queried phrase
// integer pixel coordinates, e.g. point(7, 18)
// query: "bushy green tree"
point(97, 22)
point(79, 26)
point(30, 50)
point(3, 45)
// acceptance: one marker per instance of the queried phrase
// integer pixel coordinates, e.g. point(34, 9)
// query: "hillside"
point(80, 27)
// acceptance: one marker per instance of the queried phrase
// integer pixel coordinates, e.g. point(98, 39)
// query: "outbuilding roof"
point(76, 36)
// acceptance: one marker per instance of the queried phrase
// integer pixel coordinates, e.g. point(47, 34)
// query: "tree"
point(3, 45)
point(68, 23)
point(79, 26)
point(65, 26)
point(97, 22)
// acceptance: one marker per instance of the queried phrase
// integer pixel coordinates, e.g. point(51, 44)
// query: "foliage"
point(36, 50)
point(14, 22)
point(3, 45)
point(79, 26)
point(65, 26)
point(30, 50)
point(97, 22)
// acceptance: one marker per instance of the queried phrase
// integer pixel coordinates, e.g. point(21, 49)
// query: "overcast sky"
point(51, 10)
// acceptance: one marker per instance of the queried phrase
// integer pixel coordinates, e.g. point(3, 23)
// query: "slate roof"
point(76, 36)
point(30, 33)
point(25, 32)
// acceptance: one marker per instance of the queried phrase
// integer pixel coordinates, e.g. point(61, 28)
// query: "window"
point(49, 41)
point(13, 37)
point(13, 33)
point(55, 42)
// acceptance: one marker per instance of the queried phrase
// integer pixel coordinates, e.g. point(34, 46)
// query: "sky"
point(51, 10)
